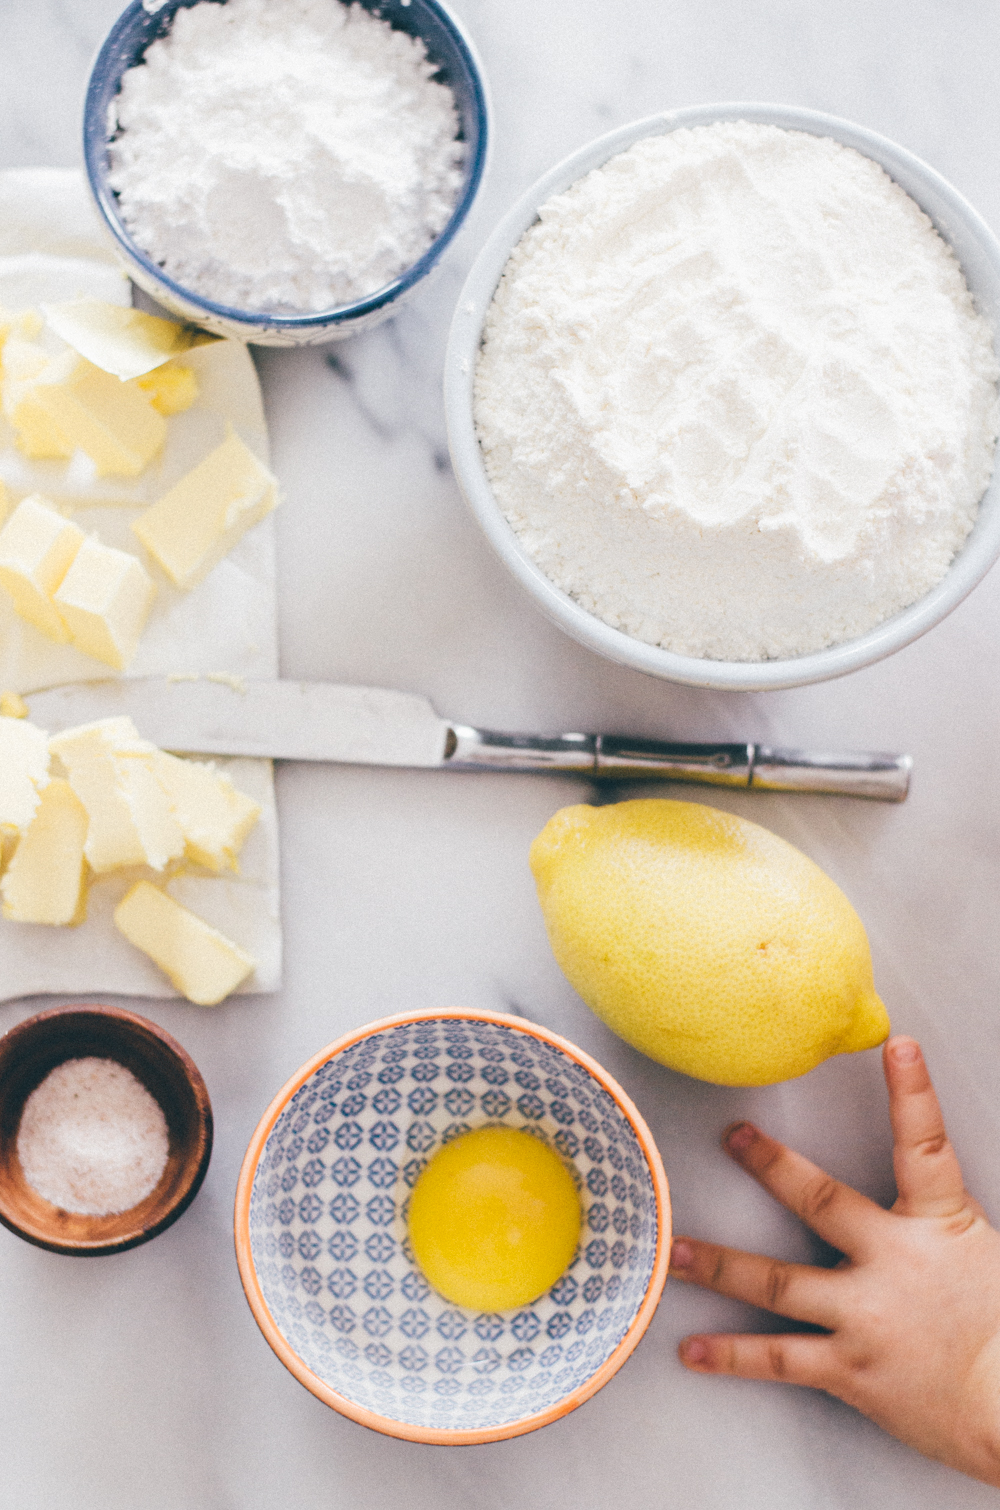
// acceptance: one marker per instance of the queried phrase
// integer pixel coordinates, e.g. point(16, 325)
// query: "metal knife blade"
point(284, 720)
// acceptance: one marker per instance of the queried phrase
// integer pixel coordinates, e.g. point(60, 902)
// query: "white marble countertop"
point(141, 1379)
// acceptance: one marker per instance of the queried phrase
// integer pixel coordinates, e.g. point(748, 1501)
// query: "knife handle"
point(608, 757)
point(486, 749)
point(886, 778)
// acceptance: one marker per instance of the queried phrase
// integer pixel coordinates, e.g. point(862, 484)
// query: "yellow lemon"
point(494, 1219)
point(706, 941)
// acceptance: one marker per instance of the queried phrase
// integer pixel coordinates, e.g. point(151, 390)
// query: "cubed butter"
point(201, 963)
point(202, 517)
point(22, 360)
point(104, 600)
point(39, 437)
point(4, 500)
point(44, 882)
point(78, 405)
point(26, 323)
point(37, 548)
point(214, 817)
point(111, 771)
point(170, 389)
point(121, 340)
point(12, 705)
point(24, 771)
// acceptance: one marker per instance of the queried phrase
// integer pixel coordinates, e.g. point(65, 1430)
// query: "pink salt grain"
point(92, 1140)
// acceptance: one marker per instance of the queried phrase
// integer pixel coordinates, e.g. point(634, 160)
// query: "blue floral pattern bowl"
point(322, 1239)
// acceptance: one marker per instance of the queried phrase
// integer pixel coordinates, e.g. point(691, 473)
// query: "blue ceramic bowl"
point(321, 1235)
point(447, 46)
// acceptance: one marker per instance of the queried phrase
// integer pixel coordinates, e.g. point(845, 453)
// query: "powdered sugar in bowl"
point(707, 456)
point(284, 174)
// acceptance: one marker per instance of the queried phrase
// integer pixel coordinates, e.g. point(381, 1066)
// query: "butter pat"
point(44, 882)
point(190, 529)
point(121, 340)
point(12, 705)
point(104, 600)
point(214, 817)
point(170, 389)
point(24, 772)
point(73, 404)
point(38, 435)
point(130, 820)
point(201, 963)
point(37, 547)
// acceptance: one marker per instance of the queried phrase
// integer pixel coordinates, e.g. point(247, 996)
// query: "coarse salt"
point(92, 1139)
point(285, 155)
point(734, 396)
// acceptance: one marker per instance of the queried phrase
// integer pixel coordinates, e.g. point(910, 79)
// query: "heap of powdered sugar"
point(91, 1138)
point(734, 395)
point(284, 155)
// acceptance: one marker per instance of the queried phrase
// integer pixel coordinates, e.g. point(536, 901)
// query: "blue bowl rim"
point(970, 565)
point(95, 140)
point(450, 1436)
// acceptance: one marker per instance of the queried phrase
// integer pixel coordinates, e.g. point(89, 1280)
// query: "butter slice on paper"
point(12, 705)
point(24, 771)
point(201, 518)
point(44, 882)
point(171, 389)
point(53, 249)
point(39, 436)
point(104, 599)
point(37, 548)
point(202, 963)
point(83, 407)
point(110, 770)
point(214, 817)
point(119, 340)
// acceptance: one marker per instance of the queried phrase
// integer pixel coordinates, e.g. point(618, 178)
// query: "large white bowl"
point(979, 253)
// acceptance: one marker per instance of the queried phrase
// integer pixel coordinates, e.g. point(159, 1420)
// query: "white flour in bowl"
point(285, 155)
point(734, 396)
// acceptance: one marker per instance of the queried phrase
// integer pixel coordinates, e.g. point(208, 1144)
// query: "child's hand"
point(913, 1308)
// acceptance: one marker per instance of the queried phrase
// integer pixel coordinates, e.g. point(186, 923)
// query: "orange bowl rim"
point(448, 1436)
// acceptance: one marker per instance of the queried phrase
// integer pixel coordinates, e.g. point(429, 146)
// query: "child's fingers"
point(928, 1176)
point(791, 1358)
point(795, 1290)
point(841, 1216)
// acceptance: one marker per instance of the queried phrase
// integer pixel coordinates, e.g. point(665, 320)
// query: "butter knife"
point(285, 720)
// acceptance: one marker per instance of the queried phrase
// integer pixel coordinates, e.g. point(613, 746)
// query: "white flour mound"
point(285, 155)
point(734, 396)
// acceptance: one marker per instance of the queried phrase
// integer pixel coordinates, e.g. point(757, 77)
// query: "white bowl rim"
point(451, 1436)
point(973, 561)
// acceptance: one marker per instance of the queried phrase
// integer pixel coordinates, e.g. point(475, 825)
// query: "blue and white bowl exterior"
point(448, 46)
point(328, 1235)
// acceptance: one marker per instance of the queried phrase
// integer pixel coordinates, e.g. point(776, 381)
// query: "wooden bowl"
point(28, 1053)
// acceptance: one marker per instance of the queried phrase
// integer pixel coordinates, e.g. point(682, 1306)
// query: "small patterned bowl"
point(322, 1245)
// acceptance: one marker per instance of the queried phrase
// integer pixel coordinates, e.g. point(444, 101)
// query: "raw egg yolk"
point(494, 1219)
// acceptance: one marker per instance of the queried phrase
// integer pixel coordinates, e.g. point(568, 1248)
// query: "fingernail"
point(693, 1350)
point(681, 1254)
point(906, 1052)
point(739, 1138)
